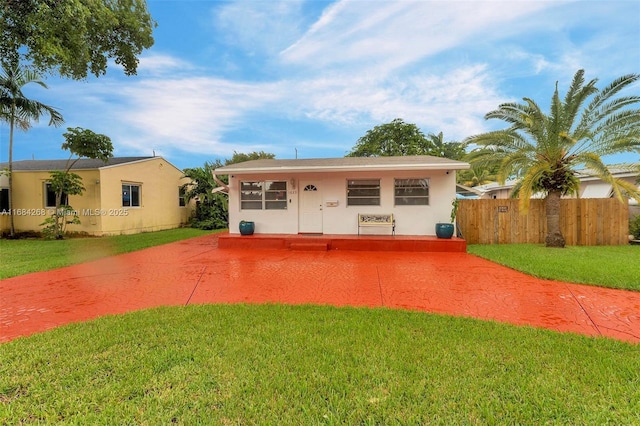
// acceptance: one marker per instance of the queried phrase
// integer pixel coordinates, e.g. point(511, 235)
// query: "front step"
point(309, 246)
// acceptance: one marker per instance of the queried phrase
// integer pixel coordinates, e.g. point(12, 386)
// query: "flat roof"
point(348, 164)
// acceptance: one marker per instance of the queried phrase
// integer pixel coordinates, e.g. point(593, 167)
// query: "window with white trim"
point(182, 201)
point(263, 195)
point(50, 197)
point(131, 195)
point(363, 192)
point(411, 192)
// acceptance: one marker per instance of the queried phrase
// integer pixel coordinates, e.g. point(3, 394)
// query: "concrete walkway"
point(196, 271)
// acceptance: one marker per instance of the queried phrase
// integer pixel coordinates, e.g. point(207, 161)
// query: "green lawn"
point(606, 266)
point(32, 255)
point(275, 364)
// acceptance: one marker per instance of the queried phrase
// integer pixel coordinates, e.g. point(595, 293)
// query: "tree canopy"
point(398, 138)
point(544, 150)
point(239, 157)
point(75, 37)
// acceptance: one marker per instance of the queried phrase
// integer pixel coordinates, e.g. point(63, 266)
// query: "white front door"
point(310, 220)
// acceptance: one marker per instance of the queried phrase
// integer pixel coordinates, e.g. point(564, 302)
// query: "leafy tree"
point(212, 208)
point(544, 150)
point(239, 157)
point(82, 143)
point(75, 36)
point(20, 111)
point(396, 138)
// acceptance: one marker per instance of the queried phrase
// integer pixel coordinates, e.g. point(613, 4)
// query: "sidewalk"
point(195, 271)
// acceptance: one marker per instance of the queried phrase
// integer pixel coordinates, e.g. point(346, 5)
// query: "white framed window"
point(182, 201)
point(363, 192)
point(263, 195)
point(131, 195)
point(411, 192)
point(50, 197)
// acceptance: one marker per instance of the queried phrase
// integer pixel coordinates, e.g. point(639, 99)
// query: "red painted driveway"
point(196, 271)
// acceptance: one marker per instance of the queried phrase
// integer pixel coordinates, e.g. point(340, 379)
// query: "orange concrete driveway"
point(195, 271)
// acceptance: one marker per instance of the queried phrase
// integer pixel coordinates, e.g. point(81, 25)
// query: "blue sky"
point(311, 77)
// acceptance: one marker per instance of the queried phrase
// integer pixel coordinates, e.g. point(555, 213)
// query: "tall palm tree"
point(20, 111)
point(544, 150)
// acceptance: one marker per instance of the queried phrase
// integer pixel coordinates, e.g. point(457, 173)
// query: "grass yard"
point(275, 364)
point(31, 255)
point(605, 266)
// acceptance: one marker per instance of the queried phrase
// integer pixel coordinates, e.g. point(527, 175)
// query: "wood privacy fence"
point(584, 222)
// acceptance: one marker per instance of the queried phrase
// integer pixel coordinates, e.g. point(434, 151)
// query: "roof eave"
point(374, 168)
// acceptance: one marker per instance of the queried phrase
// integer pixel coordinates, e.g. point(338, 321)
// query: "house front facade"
point(326, 196)
point(126, 195)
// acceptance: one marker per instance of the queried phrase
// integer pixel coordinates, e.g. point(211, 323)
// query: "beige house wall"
point(100, 207)
point(29, 203)
point(159, 197)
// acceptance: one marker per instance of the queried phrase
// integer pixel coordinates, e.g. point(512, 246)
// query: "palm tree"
point(20, 112)
point(476, 176)
point(212, 210)
point(544, 150)
point(440, 148)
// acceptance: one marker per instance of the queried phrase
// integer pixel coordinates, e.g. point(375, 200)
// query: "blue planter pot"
point(444, 230)
point(247, 228)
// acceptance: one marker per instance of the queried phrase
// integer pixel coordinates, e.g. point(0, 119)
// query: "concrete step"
point(317, 246)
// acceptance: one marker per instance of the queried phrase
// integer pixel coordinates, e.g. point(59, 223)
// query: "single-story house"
point(590, 186)
point(125, 195)
point(326, 196)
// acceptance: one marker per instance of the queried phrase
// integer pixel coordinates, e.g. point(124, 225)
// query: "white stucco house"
point(326, 196)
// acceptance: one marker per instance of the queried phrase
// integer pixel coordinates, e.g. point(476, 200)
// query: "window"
point(182, 202)
point(263, 195)
point(412, 192)
point(363, 192)
point(4, 200)
point(50, 197)
point(130, 195)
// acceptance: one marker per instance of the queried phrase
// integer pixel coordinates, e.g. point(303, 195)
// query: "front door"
point(310, 219)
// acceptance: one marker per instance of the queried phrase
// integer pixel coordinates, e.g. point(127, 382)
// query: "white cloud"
point(389, 35)
point(259, 26)
point(155, 64)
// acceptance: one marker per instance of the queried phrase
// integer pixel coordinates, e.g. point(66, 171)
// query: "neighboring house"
point(325, 196)
point(590, 186)
point(126, 195)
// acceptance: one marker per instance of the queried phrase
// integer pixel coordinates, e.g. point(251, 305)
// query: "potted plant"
point(445, 230)
point(247, 227)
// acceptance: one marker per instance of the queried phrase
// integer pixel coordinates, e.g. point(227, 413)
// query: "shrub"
point(634, 227)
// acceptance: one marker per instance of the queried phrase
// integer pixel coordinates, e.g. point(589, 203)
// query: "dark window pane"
point(4, 200)
point(251, 205)
point(135, 195)
point(276, 205)
point(276, 186)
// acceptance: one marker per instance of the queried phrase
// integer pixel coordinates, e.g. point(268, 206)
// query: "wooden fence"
point(583, 222)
